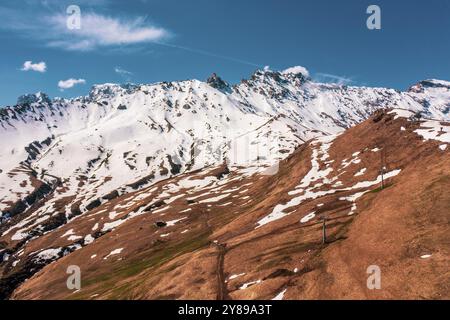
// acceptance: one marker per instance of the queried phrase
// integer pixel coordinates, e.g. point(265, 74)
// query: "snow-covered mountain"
point(80, 176)
point(240, 234)
point(123, 137)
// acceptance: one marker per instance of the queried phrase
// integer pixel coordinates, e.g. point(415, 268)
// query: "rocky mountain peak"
point(216, 82)
point(28, 99)
point(429, 83)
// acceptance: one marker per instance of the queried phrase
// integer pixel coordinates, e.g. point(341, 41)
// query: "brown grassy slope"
point(391, 228)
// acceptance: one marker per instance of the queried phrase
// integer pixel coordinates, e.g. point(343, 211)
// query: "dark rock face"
point(222, 173)
point(142, 181)
point(160, 224)
point(112, 195)
point(75, 210)
point(28, 99)
point(33, 149)
point(175, 168)
point(216, 82)
point(378, 116)
point(21, 205)
point(94, 204)
point(433, 84)
point(419, 87)
point(155, 205)
point(10, 282)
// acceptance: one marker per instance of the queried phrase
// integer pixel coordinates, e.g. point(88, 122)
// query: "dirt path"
point(222, 291)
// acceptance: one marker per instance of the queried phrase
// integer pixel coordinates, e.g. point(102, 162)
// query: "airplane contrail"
point(207, 53)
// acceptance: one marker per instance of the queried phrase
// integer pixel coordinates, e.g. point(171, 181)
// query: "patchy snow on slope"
point(68, 233)
point(196, 183)
point(308, 217)
point(315, 174)
point(48, 254)
point(346, 163)
point(401, 113)
point(352, 209)
point(113, 252)
point(280, 296)
point(434, 130)
point(215, 199)
point(248, 284)
point(279, 211)
point(111, 225)
point(171, 223)
point(234, 276)
point(74, 238)
point(88, 239)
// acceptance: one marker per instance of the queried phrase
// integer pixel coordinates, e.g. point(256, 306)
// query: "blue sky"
point(145, 41)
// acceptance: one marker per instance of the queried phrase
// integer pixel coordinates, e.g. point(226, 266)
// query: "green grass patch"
point(152, 259)
point(380, 188)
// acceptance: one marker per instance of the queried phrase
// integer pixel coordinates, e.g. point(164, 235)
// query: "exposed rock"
point(216, 82)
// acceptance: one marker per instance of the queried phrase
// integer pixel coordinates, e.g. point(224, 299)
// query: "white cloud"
point(69, 83)
point(297, 70)
point(38, 67)
point(97, 31)
point(125, 74)
point(121, 71)
point(100, 31)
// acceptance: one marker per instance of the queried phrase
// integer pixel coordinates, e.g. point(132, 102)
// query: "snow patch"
point(280, 296)
point(114, 252)
point(248, 284)
point(308, 217)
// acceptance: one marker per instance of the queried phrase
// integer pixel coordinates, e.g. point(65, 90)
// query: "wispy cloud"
point(327, 77)
point(209, 54)
point(121, 71)
point(69, 83)
point(101, 31)
point(125, 74)
point(44, 22)
point(50, 27)
point(38, 67)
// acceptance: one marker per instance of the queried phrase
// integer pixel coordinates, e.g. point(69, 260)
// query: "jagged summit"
point(216, 82)
point(296, 76)
point(429, 84)
point(35, 98)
